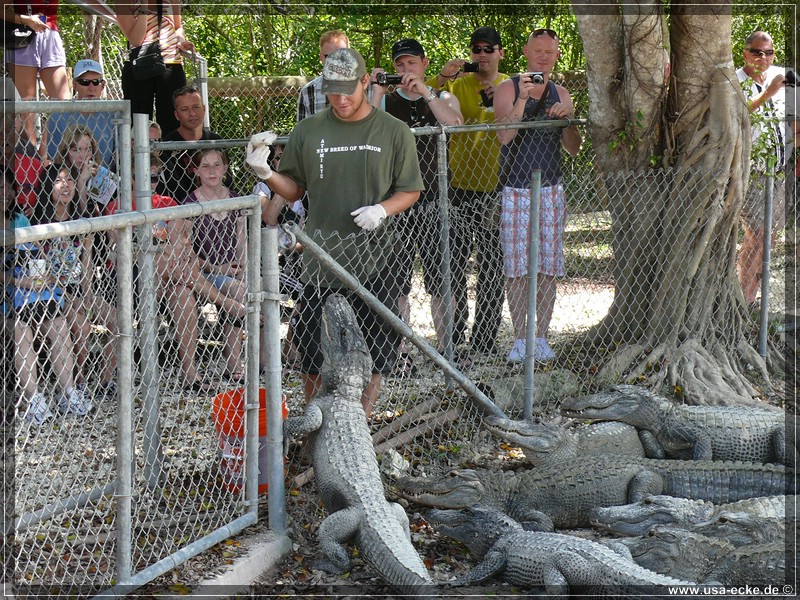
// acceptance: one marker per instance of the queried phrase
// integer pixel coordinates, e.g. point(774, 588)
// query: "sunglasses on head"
point(88, 82)
point(759, 52)
point(544, 31)
point(484, 49)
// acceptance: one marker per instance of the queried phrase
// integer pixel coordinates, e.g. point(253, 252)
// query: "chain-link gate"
point(144, 450)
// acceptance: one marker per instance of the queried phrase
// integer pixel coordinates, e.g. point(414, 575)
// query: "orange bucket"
point(228, 411)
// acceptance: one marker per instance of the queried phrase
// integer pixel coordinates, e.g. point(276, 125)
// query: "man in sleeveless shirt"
point(522, 151)
point(764, 86)
point(419, 227)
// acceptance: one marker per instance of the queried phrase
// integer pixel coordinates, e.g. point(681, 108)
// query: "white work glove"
point(258, 151)
point(369, 217)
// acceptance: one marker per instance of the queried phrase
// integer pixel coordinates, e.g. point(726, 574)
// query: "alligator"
point(680, 553)
point(672, 430)
point(561, 563)
point(744, 529)
point(639, 517)
point(546, 442)
point(346, 470)
point(563, 495)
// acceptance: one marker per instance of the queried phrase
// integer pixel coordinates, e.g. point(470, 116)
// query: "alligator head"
point(347, 367)
point(639, 517)
point(477, 527)
point(743, 529)
point(673, 551)
point(628, 403)
point(543, 442)
point(460, 488)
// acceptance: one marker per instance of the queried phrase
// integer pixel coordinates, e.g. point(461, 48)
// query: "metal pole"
point(125, 454)
point(148, 310)
point(533, 287)
point(251, 395)
point(123, 587)
point(444, 244)
point(764, 309)
point(272, 346)
point(478, 397)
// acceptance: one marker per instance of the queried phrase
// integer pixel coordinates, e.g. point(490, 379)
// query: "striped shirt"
point(167, 36)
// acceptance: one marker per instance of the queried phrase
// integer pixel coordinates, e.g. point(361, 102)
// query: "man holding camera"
point(419, 227)
point(764, 85)
point(474, 161)
point(533, 96)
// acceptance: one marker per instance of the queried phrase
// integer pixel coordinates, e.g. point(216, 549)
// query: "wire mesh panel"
point(190, 290)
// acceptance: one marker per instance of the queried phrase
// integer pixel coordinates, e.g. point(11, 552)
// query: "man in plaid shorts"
point(519, 99)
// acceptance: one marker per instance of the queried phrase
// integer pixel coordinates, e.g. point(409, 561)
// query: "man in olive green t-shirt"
point(474, 164)
point(358, 165)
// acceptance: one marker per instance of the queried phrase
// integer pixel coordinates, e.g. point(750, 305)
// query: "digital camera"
point(387, 79)
point(535, 77)
point(791, 79)
point(470, 67)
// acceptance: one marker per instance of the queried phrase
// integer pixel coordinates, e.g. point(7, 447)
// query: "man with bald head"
point(764, 87)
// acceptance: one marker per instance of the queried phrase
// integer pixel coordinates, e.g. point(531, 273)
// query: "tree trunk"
point(677, 314)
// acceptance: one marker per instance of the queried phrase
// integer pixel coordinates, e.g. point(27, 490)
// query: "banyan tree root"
point(706, 379)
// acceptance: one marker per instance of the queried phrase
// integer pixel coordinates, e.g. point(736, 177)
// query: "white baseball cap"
point(86, 65)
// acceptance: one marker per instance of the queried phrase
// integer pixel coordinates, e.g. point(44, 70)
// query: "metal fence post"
point(533, 287)
point(270, 308)
point(443, 206)
point(252, 402)
point(148, 309)
point(764, 309)
point(125, 454)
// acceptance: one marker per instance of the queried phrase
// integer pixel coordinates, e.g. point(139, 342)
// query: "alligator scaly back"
point(345, 467)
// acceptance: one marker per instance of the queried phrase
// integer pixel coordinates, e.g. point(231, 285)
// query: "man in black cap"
point(358, 165)
point(419, 227)
point(474, 198)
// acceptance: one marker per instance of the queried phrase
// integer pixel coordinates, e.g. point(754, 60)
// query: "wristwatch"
point(431, 97)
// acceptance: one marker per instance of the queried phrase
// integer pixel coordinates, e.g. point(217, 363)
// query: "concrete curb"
point(264, 551)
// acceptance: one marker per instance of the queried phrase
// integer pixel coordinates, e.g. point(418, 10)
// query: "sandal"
point(405, 366)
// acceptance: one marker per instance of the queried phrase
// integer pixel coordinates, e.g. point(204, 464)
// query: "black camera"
point(386, 79)
point(535, 77)
point(470, 67)
point(791, 79)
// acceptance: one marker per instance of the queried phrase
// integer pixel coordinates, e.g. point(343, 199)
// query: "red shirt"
point(48, 8)
point(158, 202)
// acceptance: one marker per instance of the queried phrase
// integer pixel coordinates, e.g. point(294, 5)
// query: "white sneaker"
point(517, 353)
point(76, 402)
point(543, 352)
point(38, 412)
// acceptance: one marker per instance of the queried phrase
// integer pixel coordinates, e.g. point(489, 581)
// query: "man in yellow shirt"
point(474, 198)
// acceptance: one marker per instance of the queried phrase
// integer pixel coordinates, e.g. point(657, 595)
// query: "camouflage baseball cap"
point(343, 68)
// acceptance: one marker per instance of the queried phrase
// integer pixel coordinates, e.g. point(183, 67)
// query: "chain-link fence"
point(444, 258)
point(136, 362)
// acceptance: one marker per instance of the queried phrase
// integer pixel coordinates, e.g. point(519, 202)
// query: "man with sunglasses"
point(764, 85)
point(518, 100)
point(89, 84)
point(419, 228)
point(474, 162)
